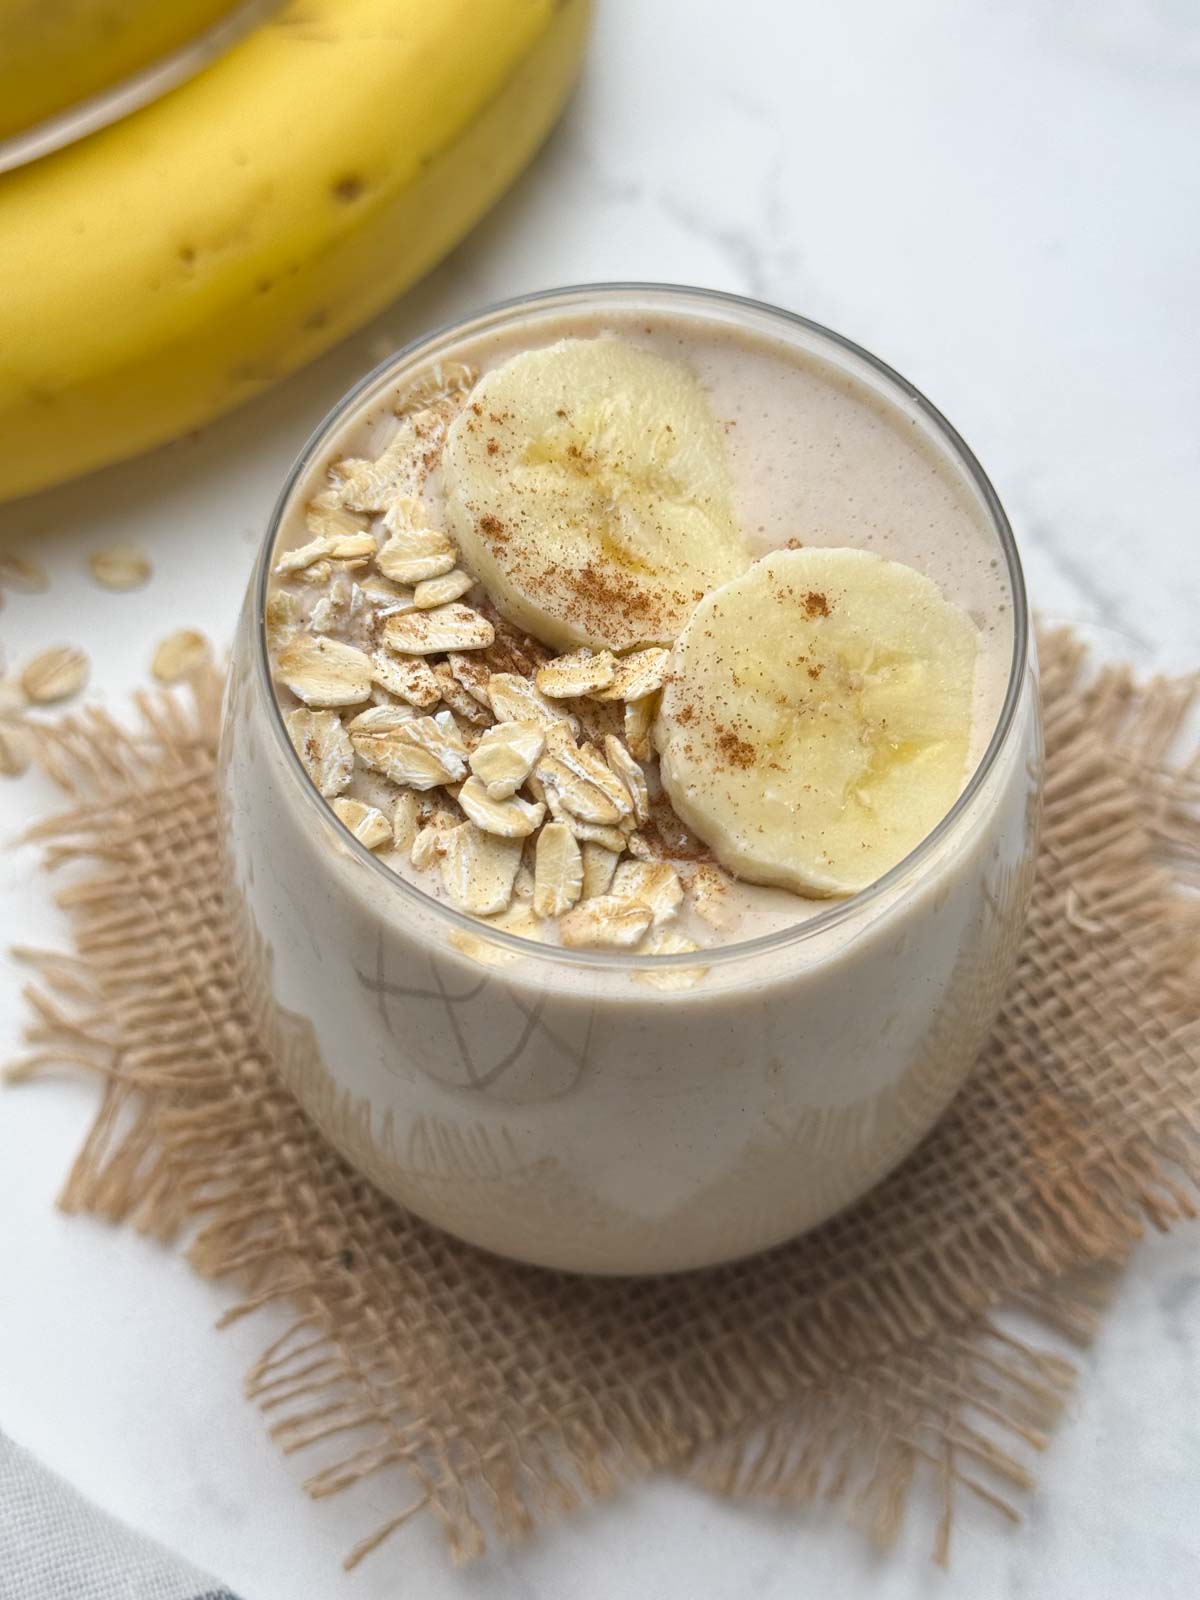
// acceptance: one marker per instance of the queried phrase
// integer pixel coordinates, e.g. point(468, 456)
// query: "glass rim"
point(138, 88)
point(837, 911)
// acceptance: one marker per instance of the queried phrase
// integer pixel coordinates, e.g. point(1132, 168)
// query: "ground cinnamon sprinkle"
point(598, 586)
point(736, 750)
point(666, 837)
point(512, 650)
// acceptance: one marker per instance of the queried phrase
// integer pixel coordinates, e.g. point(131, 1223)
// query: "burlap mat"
point(840, 1366)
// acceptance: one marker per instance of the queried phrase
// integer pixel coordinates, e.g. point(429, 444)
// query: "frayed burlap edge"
point(814, 1417)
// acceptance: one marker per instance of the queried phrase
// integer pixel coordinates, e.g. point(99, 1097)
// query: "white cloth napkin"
point(55, 1545)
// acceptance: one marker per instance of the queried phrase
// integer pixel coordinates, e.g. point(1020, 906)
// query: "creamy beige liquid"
point(815, 457)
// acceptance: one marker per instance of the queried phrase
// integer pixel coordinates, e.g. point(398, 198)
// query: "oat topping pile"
point(523, 780)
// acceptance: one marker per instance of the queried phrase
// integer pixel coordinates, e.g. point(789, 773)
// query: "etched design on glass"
point(506, 1044)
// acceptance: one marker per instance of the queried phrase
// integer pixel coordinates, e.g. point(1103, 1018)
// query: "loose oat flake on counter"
point(55, 674)
point(120, 566)
point(179, 654)
point(23, 573)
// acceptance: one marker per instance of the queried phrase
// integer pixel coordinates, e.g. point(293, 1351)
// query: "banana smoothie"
point(632, 807)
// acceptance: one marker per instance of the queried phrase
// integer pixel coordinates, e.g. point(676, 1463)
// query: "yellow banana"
point(605, 473)
point(55, 53)
point(176, 263)
point(816, 720)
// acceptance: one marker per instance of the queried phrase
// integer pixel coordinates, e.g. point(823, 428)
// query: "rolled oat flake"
point(55, 674)
point(120, 566)
point(178, 654)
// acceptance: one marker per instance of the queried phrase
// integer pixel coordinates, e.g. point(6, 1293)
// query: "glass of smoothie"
point(630, 775)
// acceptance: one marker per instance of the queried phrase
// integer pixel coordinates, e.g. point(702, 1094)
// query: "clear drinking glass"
point(569, 1107)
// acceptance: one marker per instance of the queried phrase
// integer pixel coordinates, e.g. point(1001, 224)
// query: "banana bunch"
point(816, 718)
point(177, 262)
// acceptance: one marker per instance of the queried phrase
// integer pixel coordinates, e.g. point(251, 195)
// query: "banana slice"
point(817, 718)
point(587, 487)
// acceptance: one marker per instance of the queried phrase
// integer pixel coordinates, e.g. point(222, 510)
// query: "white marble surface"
point(1001, 199)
